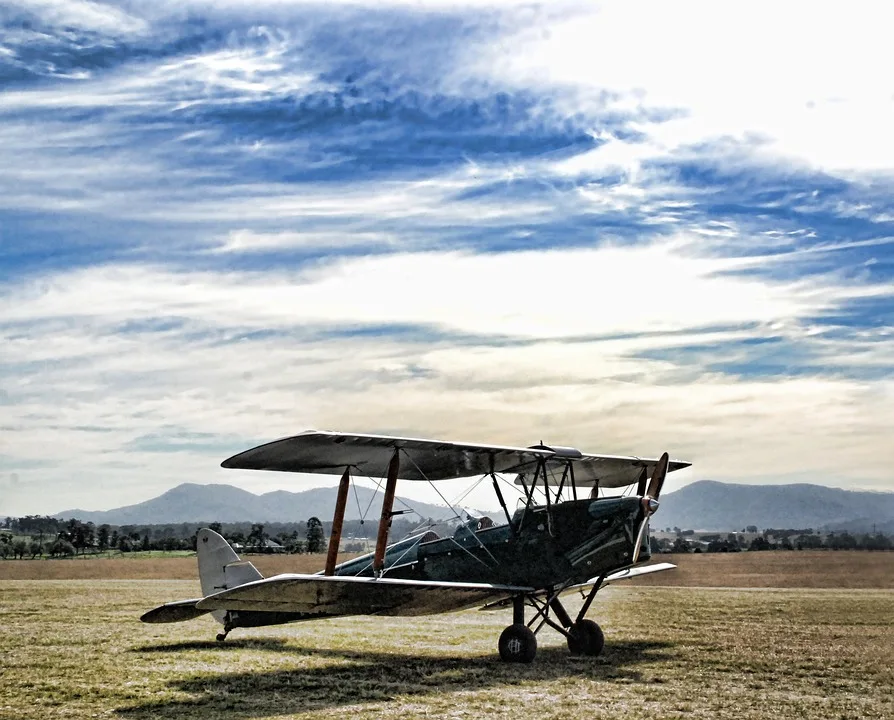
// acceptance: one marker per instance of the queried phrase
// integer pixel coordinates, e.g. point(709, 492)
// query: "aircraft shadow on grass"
point(370, 677)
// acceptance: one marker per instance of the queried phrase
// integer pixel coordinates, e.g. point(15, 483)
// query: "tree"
point(842, 541)
point(316, 538)
point(681, 546)
point(102, 538)
point(62, 547)
point(19, 548)
point(36, 549)
point(875, 542)
point(257, 538)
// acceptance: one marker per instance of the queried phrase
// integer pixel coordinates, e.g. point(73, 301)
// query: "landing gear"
point(518, 644)
point(229, 625)
point(585, 637)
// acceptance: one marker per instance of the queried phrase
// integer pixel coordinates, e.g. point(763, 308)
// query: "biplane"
point(562, 536)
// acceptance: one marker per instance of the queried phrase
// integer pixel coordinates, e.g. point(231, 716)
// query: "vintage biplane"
point(562, 536)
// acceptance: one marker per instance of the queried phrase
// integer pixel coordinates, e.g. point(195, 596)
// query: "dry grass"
point(778, 569)
point(75, 649)
point(146, 568)
point(807, 569)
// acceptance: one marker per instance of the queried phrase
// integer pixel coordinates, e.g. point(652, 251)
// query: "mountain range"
point(709, 505)
point(190, 502)
point(703, 505)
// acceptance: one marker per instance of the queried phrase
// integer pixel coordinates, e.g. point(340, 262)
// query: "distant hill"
point(190, 502)
point(704, 505)
point(709, 505)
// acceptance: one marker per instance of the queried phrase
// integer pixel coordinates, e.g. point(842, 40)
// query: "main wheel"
point(586, 638)
point(518, 644)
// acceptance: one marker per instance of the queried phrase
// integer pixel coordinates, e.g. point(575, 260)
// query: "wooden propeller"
point(658, 475)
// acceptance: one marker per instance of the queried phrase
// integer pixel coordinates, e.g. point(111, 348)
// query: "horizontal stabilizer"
point(174, 612)
point(343, 595)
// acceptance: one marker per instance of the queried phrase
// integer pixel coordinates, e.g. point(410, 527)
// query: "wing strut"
point(385, 519)
point(338, 519)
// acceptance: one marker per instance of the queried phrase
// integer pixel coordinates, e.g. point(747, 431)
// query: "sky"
point(627, 227)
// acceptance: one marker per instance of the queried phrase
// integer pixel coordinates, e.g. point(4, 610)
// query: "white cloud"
point(85, 15)
point(250, 241)
point(537, 294)
point(801, 78)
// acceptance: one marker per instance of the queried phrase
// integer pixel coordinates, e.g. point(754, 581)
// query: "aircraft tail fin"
point(220, 567)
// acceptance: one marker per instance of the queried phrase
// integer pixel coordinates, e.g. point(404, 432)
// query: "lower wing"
point(332, 595)
point(625, 574)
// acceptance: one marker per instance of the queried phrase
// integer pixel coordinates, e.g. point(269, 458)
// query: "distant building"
point(267, 547)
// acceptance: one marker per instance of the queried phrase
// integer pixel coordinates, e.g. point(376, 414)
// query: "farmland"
point(75, 648)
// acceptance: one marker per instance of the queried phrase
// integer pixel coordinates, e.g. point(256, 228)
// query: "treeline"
point(687, 541)
point(34, 536)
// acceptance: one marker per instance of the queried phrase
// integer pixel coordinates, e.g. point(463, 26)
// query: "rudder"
point(220, 567)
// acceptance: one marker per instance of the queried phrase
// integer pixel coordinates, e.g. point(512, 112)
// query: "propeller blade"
point(641, 483)
point(657, 481)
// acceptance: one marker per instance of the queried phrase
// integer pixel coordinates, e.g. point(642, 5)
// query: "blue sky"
point(627, 227)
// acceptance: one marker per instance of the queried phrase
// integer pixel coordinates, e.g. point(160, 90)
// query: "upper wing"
point(331, 452)
point(342, 595)
point(608, 471)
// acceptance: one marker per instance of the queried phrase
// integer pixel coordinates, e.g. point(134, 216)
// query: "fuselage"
point(542, 546)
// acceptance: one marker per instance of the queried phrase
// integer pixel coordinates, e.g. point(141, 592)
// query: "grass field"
point(75, 649)
point(72, 649)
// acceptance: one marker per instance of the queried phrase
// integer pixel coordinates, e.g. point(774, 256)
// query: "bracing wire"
point(456, 514)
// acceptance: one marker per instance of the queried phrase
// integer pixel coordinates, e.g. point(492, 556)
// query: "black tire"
point(586, 638)
point(517, 644)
